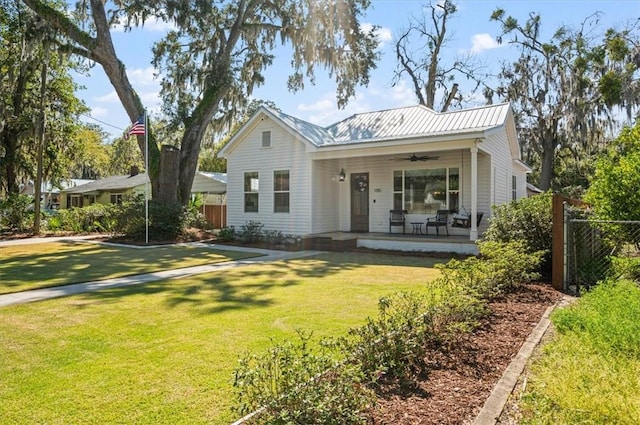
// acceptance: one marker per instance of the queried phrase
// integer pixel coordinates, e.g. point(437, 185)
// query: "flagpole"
point(146, 186)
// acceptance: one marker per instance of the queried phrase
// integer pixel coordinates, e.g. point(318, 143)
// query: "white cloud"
point(325, 110)
point(156, 25)
point(482, 42)
point(100, 112)
point(151, 99)
point(110, 97)
point(142, 76)
point(401, 95)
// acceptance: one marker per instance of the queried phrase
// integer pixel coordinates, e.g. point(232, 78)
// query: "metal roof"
point(416, 121)
point(111, 183)
point(205, 182)
point(313, 133)
point(221, 177)
point(413, 121)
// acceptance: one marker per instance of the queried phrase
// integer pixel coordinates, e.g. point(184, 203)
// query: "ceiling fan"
point(415, 158)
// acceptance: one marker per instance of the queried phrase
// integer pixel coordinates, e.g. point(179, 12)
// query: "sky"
point(470, 29)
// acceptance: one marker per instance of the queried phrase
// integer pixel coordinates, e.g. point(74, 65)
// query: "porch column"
point(473, 234)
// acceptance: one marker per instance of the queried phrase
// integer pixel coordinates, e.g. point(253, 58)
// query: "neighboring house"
point(111, 190)
point(50, 193)
point(305, 179)
point(533, 190)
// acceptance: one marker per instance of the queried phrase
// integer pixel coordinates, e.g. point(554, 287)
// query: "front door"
point(360, 202)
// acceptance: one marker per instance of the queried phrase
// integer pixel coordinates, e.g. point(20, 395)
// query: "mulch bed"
point(461, 377)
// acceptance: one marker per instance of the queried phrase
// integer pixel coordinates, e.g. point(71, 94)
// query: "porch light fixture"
point(341, 175)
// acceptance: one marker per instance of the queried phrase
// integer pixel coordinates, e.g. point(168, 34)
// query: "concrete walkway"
point(98, 285)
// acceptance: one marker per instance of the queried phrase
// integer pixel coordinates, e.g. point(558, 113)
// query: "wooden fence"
point(215, 214)
point(559, 242)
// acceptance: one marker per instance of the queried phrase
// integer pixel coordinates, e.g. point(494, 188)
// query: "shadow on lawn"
point(242, 288)
point(209, 293)
point(85, 262)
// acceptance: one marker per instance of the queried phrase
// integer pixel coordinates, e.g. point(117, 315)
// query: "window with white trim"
point(425, 191)
point(251, 187)
point(266, 139)
point(115, 198)
point(281, 191)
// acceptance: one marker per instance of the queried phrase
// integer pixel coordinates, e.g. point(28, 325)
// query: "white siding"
point(502, 162)
point(325, 204)
point(285, 153)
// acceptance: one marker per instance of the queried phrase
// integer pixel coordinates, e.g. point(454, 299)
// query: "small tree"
point(613, 193)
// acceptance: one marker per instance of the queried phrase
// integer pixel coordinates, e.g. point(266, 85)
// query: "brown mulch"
point(461, 377)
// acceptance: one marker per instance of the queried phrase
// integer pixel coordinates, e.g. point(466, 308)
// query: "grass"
point(24, 267)
point(164, 353)
point(590, 372)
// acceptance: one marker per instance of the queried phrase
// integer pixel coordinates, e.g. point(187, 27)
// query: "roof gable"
point(306, 131)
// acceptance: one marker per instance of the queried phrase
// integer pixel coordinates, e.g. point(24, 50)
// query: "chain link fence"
point(591, 244)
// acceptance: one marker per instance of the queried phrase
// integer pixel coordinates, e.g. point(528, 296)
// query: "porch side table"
point(416, 228)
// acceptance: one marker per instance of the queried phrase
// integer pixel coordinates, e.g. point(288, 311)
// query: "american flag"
point(137, 127)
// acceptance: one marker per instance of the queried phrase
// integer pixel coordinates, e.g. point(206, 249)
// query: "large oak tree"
point(565, 88)
point(215, 56)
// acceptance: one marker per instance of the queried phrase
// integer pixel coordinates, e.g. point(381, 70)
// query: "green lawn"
point(24, 267)
point(164, 353)
point(590, 372)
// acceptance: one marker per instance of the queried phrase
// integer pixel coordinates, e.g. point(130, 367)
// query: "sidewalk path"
point(97, 285)
point(31, 241)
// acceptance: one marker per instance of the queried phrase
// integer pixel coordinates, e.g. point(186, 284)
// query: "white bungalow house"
point(305, 179)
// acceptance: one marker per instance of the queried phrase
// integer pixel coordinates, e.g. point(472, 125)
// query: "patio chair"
point(397, 218)
point(441, 219)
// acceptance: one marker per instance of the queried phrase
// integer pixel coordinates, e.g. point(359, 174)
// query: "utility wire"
point(103, 122)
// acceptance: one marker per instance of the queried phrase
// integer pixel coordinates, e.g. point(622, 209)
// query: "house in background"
point(305, 179)
point(50, 193)
point(111, 190)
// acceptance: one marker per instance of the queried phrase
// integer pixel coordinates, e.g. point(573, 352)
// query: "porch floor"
point(342, 241)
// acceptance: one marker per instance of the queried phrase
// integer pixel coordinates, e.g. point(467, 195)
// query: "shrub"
point(394, 343)
point(227, 234)
point(16, 212)
point(251, 232)
point(92, 218)
point(166, 221)
point(275, 237)
point(294, 384)
point(625, 268)
point(529, 220)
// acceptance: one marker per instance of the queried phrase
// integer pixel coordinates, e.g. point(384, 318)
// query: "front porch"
point(343, 241)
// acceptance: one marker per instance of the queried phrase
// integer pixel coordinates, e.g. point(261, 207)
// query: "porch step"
point(325, 243)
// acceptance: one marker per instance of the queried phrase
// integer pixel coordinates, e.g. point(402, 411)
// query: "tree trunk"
point(168, 175)
point(547, 159)
point(10, 144)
